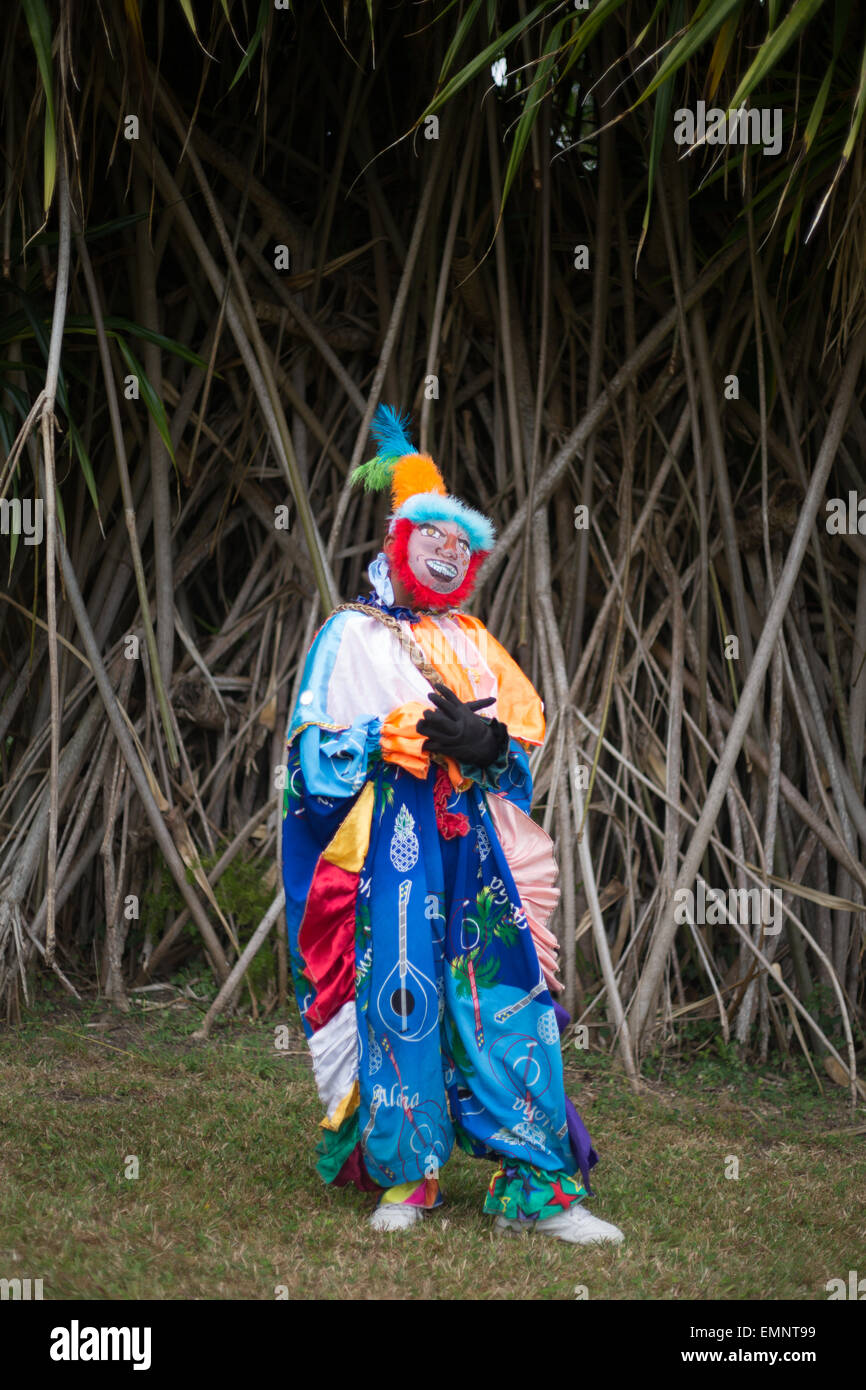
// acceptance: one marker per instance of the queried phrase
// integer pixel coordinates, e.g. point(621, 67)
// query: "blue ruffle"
point(373, 601)
point(334, 763)
point(509, 775)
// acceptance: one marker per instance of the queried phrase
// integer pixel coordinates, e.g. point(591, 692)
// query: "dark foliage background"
point(329, 206)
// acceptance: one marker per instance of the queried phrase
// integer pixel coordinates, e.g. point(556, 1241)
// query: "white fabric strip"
point(335, 1057)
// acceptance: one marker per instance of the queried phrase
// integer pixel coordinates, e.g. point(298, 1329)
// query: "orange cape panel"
point(517, 701)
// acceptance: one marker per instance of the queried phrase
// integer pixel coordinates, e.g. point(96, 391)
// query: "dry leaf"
point(839, 1075)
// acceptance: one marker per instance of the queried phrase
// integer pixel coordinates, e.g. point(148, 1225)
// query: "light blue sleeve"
point(333, 758)
point(334, 762)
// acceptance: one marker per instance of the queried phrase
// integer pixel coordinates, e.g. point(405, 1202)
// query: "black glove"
point(454, 728)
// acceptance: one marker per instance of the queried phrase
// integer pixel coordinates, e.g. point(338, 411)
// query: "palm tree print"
point(486, 972)
point(363, 926)
point(493, 919)
point(459, 1054)
point(383, 790)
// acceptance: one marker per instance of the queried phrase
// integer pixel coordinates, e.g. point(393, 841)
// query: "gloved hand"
point(454, 728)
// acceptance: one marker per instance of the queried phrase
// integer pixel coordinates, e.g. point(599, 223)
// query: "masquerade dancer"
point(418, 888)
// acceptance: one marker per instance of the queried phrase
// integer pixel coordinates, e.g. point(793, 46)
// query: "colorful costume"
point(418, 890)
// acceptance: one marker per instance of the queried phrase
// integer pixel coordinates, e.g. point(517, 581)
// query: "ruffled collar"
point(382, 596)
point(372, 600)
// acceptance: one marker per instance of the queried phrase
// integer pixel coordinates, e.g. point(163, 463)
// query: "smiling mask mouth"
point(442, 569)
point(426, 590)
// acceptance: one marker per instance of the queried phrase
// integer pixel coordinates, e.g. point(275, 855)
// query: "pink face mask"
point(438, 554)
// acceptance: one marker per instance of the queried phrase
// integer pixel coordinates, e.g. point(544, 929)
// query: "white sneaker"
point(395, 1217)
point(577, 1226)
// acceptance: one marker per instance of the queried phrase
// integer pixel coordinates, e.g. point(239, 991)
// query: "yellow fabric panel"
point(404, 1191)
point(398, 1194)
point(348, 849)
point(348, 1105)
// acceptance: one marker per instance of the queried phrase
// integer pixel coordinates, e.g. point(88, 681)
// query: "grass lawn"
point(227, 1202)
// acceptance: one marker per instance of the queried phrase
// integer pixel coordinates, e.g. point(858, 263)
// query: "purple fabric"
point(581, 1144)
point(353, 1172)
point(585, 1155)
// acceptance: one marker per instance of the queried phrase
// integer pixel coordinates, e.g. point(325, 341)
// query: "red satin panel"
point(326, 940)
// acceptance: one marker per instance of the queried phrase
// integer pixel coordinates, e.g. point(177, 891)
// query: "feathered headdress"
point(418, 492)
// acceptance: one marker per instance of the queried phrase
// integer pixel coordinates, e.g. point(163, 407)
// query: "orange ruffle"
point(401, 743)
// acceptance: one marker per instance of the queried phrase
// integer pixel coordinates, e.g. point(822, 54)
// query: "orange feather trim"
point(415, 473)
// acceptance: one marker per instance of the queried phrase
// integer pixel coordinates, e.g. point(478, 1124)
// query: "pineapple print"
point(404, 842)
point(547, 1028)
point(530, 1134)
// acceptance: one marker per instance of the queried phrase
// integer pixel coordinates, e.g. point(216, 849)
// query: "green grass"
point(228, 1203)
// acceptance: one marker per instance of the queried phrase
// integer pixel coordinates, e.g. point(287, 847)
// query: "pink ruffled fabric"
point(529, 851)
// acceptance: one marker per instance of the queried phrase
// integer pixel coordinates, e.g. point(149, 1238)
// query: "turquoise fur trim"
point(432, 506)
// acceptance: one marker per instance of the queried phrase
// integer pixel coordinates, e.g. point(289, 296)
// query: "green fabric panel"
point(335, 1146)
point(525, 1193)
